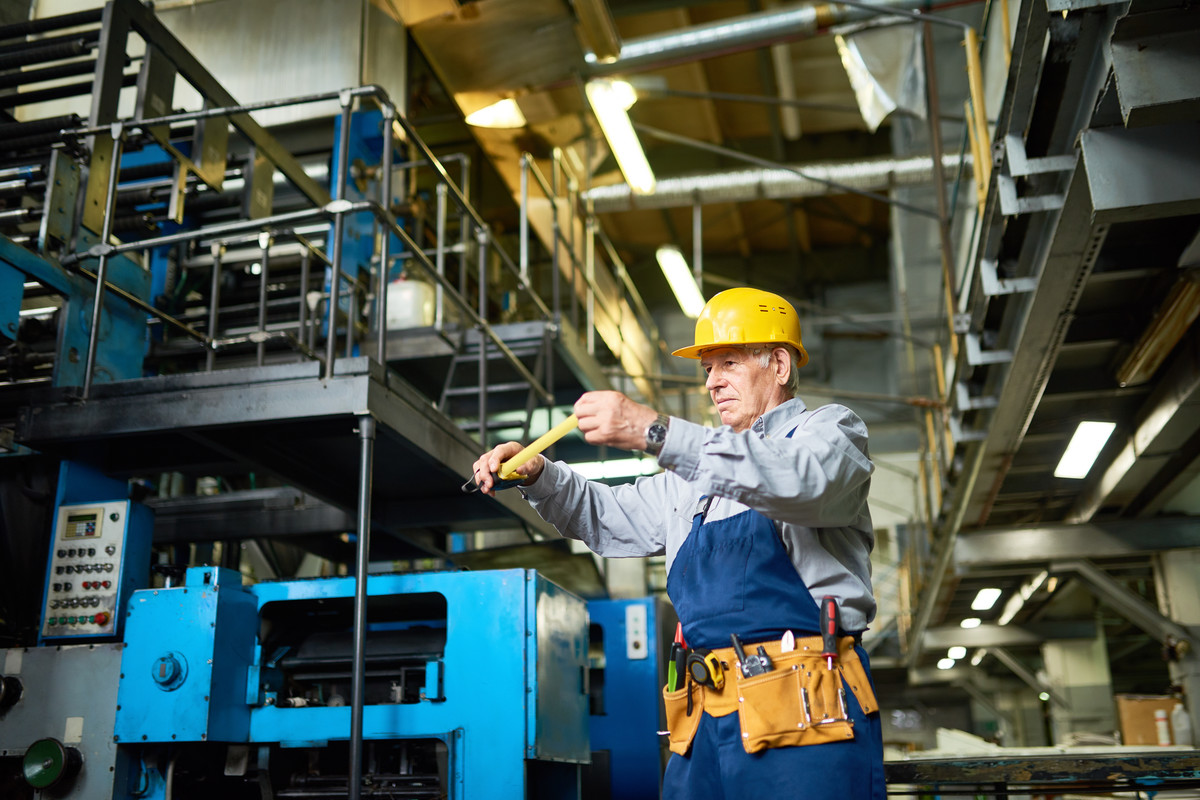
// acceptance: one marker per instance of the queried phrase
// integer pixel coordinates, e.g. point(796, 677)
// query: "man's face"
point(740, 388)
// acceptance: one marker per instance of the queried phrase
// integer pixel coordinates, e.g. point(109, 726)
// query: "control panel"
point(86, 580)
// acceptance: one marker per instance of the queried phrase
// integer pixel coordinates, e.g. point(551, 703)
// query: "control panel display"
point(84, 576)
point(82, 526)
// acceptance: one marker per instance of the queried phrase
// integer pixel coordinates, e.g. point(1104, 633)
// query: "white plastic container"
point(410, 304)
point(1162, 728)
point(1181, 725)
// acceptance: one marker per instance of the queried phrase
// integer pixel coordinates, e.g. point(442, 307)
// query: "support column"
point(1079, 672)
point(1177, 582)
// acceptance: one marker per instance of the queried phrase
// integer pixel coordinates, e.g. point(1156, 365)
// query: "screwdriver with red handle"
point(831, 620)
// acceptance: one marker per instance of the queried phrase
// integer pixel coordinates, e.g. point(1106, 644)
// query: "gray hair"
point(763, 353)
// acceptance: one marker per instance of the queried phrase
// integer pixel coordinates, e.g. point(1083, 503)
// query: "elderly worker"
point(763, 521)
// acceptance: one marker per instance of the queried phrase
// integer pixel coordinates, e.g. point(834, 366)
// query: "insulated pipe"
point(738, 33)
point(739, 186)
point(56, 23)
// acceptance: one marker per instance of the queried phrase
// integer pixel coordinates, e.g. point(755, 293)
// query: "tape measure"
point(705, 669)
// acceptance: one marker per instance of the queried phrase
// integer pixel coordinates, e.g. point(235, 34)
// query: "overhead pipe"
point(743, 185)
point(738, 33)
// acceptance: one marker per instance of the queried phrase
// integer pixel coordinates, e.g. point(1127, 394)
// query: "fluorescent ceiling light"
point(1017, 601)
point(1044, 696)
point(957, 652)
point(617, 468)
point(946, 663)
point(500, 114)
point(970, 622)
point(608, 103)
point(985, 599)
point(978, 656)
point(1083, 449)
point(683, 282)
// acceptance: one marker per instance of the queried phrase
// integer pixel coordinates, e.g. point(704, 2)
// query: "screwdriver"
point(831, 620)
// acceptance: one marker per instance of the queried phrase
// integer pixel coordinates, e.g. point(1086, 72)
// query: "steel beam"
point(1125, 602)
point(1156, 63)
point(1116, 538)
point(990, 636)
point(1142, 173)
point(1027, 675)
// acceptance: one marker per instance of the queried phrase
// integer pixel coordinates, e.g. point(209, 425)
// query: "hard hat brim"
point(695, 350)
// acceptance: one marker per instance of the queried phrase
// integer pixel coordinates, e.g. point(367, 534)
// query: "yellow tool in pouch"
point(706, 669)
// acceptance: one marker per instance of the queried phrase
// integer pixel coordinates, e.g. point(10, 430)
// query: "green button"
point(52, 621)
point(70, 620)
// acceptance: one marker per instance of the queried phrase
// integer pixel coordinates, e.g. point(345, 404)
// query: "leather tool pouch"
point(681, 726)
point(797, 703)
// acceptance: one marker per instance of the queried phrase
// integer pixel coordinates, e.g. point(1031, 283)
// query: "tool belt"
point(798, 702)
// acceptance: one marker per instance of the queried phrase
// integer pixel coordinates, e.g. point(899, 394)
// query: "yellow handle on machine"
point(509, 468)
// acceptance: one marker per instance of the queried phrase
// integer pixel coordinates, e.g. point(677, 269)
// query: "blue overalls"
point(734, 576)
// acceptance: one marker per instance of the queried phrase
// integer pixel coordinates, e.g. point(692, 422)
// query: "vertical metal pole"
point(351, 315)
point(214, 306)
point(366, 435)
point(305, 256)
point(110, 202)
point(464, 180)
point(573, 253)
point(439, 319)
point(589, 264)
point(556, 238)
point(524, 224)
point(385, 247)
point(698, 247)
point(264, 244)
point(939, 181)
point(481, 239)
point(339, 225)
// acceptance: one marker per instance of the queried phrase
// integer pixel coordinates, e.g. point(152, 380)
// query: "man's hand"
point(488, 464)
point(612, 419)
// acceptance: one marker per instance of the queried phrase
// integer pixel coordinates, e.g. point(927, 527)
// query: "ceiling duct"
point(740, 33)
point(743, 185)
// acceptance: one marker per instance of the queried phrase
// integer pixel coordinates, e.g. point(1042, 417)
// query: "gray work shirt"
point(814, 485)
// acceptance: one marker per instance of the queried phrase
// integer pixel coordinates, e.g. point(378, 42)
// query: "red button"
point(87, 584)
point(107, 584)
point(101, 618)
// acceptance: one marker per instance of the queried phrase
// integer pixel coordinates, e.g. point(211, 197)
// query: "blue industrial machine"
point(476, 682)
point(200, 357)
point(628, 672)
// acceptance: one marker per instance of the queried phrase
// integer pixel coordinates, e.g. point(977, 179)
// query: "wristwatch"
point(656, 434)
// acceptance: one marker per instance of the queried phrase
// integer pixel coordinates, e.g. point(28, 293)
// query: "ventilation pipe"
point(738, 33)
point(743, 185)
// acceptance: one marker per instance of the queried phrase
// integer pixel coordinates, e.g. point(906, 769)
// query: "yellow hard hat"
point(746, 316)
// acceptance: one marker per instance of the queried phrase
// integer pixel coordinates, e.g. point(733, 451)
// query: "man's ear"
point(781, 360)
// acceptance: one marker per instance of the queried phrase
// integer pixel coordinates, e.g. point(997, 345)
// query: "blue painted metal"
point(188, 651)
point(627, 724)
point(508, 685)
point(12, 291)
point(122, 326)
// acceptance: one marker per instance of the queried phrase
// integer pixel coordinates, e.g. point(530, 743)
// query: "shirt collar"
point(775, 421)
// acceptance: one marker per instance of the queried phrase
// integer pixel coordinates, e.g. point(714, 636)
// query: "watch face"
point(656, 433)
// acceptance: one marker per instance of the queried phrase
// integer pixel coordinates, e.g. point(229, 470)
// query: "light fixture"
point(1083, 449)
point(1171, 321)
point(681, 279)
point(1044, 696)
point(608, 103)
point(970, 622)
point(945, 663)
point(500, 114)
point(1017, 601)
point(978, 656)
point(985, 599)
point(617, 468)
point(956, 652)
